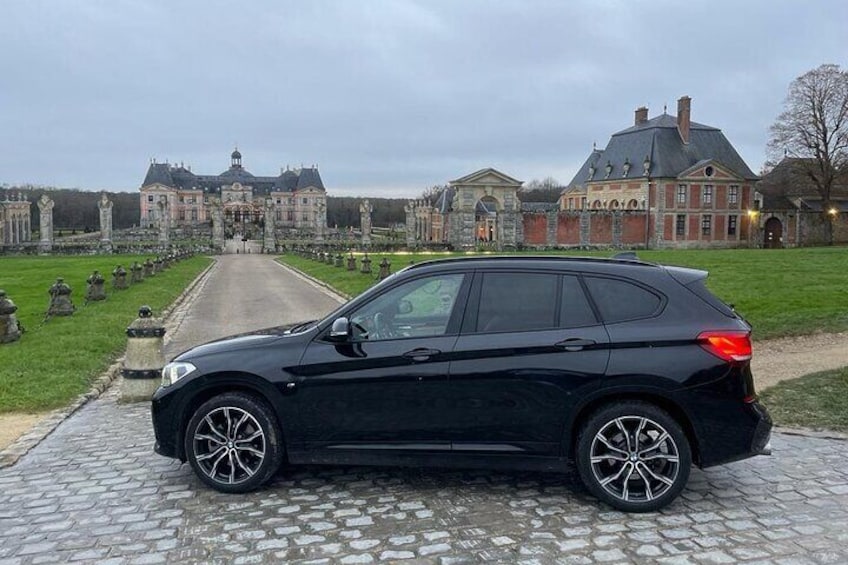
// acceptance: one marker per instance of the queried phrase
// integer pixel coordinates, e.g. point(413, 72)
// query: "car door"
point(530, 346)
point(385, 387)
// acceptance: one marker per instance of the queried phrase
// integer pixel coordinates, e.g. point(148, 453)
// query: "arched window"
point(597, 204)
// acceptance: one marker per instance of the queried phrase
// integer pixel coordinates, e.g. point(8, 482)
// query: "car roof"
point(566, 263)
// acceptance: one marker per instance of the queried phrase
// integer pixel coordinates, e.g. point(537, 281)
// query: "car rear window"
point(619, 300)
point(701, 290)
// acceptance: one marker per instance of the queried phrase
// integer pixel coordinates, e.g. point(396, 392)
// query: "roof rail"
point(621, 258)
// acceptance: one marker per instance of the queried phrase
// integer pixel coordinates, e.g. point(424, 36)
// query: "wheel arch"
point(215, 384)
point(657, 398)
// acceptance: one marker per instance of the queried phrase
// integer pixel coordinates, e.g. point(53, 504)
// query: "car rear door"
point(531, 345)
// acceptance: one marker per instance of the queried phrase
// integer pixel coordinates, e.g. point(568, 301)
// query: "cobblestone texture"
point(94, 491)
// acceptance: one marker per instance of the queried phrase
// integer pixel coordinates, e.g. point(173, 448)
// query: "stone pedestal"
point(60, 299)
point(94, 289)
point(119, 278)
point(385, 269)
point(366, 265)
point(149, 269)
point(10, 330)
point(136, 273)
point(144, 359)
point(351, 263)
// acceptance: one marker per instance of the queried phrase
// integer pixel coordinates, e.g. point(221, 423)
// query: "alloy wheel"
point(229, 445)
point(634, 459)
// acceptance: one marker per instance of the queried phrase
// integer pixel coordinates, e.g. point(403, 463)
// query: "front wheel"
point(233, 443)
point(633, 456)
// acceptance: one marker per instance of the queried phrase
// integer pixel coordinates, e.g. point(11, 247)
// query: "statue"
point(45, 205)
point(269, 244)
point(320, 220)
point(411, 238)
point(164, 220)
point(365, 210)
point(105, 207)
point(217, 224)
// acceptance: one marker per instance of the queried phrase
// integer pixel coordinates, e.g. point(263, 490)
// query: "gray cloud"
point(386, 97)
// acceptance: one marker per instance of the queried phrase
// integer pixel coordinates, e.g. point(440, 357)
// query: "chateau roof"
point(659, 140)
point(178, 177)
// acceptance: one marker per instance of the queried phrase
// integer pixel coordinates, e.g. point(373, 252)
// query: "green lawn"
point(781, 292)
point(55, 361)
point(814, 401)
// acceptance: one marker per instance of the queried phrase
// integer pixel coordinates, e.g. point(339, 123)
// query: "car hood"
point(245, 340)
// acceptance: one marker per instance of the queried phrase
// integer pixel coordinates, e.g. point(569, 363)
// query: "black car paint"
point(512, 400)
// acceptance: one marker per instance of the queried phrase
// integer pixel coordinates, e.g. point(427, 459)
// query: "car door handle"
point(574, 344)
point(421, 354)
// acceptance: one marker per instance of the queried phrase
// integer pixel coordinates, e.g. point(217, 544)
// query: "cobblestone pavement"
point(95, 491)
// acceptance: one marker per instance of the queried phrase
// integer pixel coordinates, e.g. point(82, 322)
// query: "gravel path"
point(777, 360)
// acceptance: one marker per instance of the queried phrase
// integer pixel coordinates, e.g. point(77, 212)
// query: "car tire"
point(633, 456)
point(233, 442)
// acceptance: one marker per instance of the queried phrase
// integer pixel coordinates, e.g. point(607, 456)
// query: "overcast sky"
point(387, 98)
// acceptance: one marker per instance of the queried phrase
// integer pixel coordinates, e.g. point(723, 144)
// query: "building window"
point(150, 198)
point(279, 200)
point(680, 225)
point(182, 199)
point(706, 224)
point(291, 200)
point(583, 202)
point(193, 199)
point(681, 194)
point(305, 217)
point(731, 225)
point(182, 214)
point(290, 215)
point(194, 214)
point(305, 201)
point(708, 194)
point(279, 215)
point(733, 194)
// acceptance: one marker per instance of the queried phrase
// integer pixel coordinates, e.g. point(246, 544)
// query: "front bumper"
point(165, 425)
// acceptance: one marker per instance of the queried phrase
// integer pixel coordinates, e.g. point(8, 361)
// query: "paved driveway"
point(94, 490)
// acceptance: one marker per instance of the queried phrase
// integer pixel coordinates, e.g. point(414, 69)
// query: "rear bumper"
point(737, 434)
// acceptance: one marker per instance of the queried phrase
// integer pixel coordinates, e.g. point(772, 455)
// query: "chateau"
point(296, 197)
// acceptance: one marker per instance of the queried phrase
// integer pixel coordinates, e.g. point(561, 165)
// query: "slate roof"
point(444, 200)
point(181, 178)
point(659, 140)
point(787, 184)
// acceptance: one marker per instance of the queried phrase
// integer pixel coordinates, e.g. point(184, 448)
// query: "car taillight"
point(729, 345)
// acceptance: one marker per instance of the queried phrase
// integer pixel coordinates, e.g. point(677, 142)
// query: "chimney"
point(641, 115)
point(684, 106)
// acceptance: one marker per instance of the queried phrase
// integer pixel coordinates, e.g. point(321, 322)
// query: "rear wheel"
point(233, 443)
point(633, 456)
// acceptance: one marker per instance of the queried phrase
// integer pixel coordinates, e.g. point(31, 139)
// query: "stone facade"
point(15, 220)
point(297, 195)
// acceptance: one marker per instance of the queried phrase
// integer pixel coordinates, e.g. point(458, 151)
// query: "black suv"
point(632, 370)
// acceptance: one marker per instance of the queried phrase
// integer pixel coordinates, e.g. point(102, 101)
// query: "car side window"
point(417, 308)
point(575, 310)
point(619, 300)
point(511, 302)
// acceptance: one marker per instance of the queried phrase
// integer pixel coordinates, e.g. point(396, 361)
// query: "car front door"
point(384, 387)
point(530, 346)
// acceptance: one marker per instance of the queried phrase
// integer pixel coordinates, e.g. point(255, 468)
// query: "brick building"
point(175, 193)
point(662, 182)
point(793, 211)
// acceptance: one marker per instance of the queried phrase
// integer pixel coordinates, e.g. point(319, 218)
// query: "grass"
point(781, 292)
point(53, 362)
point(814, 401)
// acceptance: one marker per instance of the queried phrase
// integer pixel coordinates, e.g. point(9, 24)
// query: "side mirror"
point(404, 307)
point(340, 330)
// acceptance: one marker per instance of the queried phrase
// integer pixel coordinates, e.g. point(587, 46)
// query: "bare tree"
point(813, 127)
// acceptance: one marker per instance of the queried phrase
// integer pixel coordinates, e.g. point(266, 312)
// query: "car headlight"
point(175, 371)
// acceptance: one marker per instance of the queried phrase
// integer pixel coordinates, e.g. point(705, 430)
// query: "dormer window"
point(646, 165)
point(591, 171)
point(626, 167)
point(608, 169)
